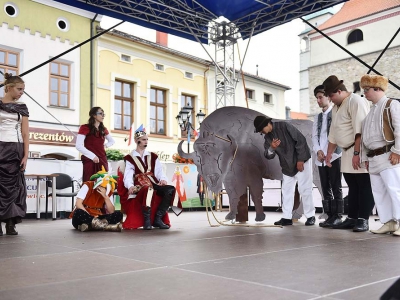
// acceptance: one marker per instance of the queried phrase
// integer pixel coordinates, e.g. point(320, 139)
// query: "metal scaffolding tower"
point(224, 36)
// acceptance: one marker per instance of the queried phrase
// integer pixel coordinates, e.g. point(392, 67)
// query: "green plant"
point(114, 155)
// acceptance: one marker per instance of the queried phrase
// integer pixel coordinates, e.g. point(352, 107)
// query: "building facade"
point(315, 19)
point(363, 27)
point(141, 82)
point(256, 93)
point(144, 82)
point(32, 32)
point(135, 80)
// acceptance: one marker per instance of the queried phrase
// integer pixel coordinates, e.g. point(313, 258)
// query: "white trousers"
point(305, 186)
point(386, 190)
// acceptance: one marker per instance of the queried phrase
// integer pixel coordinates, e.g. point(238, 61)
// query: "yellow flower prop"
point(102, 178)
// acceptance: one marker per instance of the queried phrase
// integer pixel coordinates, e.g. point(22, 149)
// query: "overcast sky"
point(276, 52)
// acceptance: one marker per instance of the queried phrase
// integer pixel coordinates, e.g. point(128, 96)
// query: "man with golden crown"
point(94, 209)
point(145, 195)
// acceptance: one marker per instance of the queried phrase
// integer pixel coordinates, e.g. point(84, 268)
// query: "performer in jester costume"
point(94, 208)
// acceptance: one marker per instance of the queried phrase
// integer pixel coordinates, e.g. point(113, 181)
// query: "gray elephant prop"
point(229, 152)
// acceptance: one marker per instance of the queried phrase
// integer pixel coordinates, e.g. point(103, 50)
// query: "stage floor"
point(190, 261)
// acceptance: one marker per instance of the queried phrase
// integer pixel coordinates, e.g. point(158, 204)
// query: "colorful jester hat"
point(102, 178)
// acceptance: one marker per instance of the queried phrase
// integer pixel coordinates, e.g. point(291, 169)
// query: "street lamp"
point(183, 120)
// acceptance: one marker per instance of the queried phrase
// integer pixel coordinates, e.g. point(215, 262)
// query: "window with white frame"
point(267, 98)
point(9, 63)
point(60, 84)
point(159, 67)
point(249, 94)
point(125, 58)
point(123, 105)
point(189, 75)
point(158, 107)
point(63, 24)
point(11, 9)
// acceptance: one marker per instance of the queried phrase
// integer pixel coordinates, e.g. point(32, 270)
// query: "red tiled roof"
point(355, 9)
point(298, 115)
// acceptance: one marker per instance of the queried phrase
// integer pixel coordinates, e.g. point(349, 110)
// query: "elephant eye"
point(206, 147)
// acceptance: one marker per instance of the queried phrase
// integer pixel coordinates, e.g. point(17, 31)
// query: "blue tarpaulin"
point(191, 19)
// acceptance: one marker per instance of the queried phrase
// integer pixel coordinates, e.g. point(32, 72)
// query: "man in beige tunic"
point(381, 151)
point(347, 115)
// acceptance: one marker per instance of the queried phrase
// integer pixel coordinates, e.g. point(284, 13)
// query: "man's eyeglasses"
point(101, 114)
point(368, 88)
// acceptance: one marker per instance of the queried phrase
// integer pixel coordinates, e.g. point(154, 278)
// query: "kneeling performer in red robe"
point(145, 195)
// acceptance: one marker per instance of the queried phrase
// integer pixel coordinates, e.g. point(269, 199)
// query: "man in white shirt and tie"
point(330, 177)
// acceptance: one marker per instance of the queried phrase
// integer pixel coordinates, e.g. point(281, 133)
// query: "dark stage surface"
point(51, 260)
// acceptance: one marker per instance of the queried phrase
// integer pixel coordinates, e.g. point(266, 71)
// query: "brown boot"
point(99, 224)
point(10, 227)
point(84, 227)
point(113, 227)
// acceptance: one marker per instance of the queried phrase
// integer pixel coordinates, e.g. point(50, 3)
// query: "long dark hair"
point(91, 121)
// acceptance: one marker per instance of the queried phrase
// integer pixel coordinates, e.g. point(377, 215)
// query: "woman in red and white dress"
point(91, 143)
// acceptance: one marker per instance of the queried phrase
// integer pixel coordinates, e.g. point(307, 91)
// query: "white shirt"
point(372, 135)
point(346, 123)
point(130, 170)
point(80, 145)
point(323, 138)
point(84, 190)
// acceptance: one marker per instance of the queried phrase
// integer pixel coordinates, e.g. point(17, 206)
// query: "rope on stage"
point(223, 223)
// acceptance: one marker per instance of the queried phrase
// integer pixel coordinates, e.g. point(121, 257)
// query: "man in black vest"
point(330, 177)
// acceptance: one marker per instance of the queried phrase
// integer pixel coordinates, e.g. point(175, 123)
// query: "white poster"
point(38, 166)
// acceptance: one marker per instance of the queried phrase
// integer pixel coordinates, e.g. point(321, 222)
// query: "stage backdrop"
point(184, 178)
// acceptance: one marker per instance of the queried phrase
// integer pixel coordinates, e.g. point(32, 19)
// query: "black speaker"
point(393, 293)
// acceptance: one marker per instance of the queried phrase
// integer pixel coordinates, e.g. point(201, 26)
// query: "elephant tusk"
point(220, 137)
point(234, 155)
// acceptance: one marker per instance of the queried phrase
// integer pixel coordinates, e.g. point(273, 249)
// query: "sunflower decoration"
point(103, 179)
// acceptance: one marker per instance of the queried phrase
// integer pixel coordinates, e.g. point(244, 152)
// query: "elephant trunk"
point(183, 154)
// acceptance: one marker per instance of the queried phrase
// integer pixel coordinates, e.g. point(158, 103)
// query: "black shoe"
point(284, 222)
point(361, 225)
point(326, 223)
point(346, 224)
point(336, 220)
point(158, 222)
point(10, 227)
point(310, 221)
point(146, 221)
point(331, 221)
point(1, 230)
